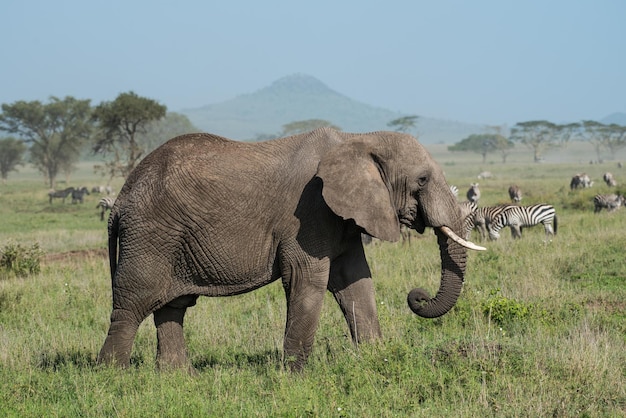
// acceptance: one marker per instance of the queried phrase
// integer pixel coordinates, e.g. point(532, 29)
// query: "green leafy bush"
point(503, 310)
point(20, 260)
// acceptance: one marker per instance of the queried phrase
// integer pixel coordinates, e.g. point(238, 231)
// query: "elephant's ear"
point(354, 189)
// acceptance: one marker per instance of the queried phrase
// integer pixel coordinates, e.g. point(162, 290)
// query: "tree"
point(119, 124)
point(307, 125)
point(484, 144)
point(539, 135)
point(11, 155)
point(610, 137)
point(56, 131)
point(404, 124)
point(159, 131)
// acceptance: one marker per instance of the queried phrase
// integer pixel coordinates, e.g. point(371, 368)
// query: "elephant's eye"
point(422, 181)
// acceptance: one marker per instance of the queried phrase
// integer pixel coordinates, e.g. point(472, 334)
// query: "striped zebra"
point(517, 217)
point(515, 193)
point(60, 194)
point(481, 218)
point(609, 179)
point(473, 193)
point(610, 202)
point(106, 203)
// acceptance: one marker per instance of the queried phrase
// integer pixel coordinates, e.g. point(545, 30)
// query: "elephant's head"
point(385, 179)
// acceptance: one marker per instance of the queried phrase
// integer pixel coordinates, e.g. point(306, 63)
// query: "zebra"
point(481, 218)
point(473, 193)
point(78, 195)
point(517, 217)
point(609, 180)
point(611, 202)
point(454, 190)
point(580, 180)
point(515, 193)
point(106, 203)
point(60, 194)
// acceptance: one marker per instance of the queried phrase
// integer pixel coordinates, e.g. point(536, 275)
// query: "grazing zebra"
point(467, 214)
point(517, 217)
point(580, 180)
point(106, 203)
point(609, 180)
point(610, 202)
point(481, 218)
point(79, 194)
point(515, 193)
point(485, 175)
point(60, 194)
point(473, 193)
point(454, 190)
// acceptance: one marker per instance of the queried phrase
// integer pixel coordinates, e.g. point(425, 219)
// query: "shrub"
point(20, 260)
point(503, 310)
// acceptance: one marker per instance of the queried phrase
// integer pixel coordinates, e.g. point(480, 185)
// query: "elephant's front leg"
point(305, 297)
point(351, 284)
point(171, 351)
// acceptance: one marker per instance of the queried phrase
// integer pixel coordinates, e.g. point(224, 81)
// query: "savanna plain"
point(539, 329)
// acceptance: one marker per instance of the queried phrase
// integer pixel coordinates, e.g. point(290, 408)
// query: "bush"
point(21, 261)
point(503, 310)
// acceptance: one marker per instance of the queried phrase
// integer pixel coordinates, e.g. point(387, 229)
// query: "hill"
point(301, 97)
point(616, 118)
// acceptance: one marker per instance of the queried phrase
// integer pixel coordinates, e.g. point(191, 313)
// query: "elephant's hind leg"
point(171, 351)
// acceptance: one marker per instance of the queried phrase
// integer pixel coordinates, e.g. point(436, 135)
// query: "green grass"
point(539, 329)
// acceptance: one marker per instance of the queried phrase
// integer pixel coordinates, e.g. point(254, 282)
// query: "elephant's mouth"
point(454, 237)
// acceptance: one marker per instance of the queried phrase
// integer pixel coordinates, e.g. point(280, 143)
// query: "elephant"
point(204, 215)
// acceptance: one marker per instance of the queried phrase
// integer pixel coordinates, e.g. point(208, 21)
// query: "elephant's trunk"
point(453, 260)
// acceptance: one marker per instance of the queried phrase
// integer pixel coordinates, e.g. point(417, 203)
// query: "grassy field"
point(539, 330)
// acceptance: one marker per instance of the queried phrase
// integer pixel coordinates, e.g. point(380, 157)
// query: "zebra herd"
point(104, 204)
point(489, 220)
point(610, 202)
point(77, 194)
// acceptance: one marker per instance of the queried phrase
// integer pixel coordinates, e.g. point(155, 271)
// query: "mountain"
point(301, 97)
point(616, 118)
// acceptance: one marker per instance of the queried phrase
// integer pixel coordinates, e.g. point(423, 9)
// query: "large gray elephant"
point(204, 215)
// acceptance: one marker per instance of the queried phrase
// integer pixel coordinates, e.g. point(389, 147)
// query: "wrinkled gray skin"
point(203, 215)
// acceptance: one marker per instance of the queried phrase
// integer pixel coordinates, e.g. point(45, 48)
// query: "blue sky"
point(487, 62)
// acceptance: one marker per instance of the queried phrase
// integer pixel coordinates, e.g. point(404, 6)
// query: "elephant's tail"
point(114, 223)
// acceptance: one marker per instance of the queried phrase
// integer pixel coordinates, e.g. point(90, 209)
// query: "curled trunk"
point(453, 260)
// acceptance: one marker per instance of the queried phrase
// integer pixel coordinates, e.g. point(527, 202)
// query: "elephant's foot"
point(171, 352)
point(295, 355)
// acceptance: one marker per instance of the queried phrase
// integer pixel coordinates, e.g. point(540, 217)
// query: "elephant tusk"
point(454, 237)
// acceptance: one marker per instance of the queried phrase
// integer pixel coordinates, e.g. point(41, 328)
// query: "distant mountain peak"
point(300, 83)
point(298, 97)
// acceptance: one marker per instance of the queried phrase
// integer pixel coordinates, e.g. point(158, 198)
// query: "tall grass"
point(539, 329)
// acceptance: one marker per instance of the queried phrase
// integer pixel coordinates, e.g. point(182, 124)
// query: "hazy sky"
point(488, 62)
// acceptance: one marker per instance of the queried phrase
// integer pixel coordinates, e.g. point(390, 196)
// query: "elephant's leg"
point(351, 284)
point(305, 297)
point(118, 344)
point(171, 351)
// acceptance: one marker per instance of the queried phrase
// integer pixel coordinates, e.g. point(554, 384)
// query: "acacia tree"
point(159, 131)
point(404, 124)
point(610, 137)
point(540, 135)
point(11, 155)
point(119, 124)
point(56, 131)
point(484, 144)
